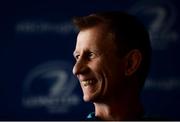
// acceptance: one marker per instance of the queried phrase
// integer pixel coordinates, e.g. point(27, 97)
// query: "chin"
point(87, 98)
point(91, 94)
point(90, 98)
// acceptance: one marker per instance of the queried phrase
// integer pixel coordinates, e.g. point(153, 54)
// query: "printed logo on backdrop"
point(167, 84)
point(52, 86)
point(38, 27)
point(160, 16)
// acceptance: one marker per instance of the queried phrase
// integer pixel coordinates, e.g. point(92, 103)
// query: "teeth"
point(87, 82)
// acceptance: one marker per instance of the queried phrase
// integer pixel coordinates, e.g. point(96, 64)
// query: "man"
point(112, 60)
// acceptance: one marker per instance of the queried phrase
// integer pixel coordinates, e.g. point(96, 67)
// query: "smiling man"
point(112, 60)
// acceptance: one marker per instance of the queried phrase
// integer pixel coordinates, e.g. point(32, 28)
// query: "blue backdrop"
point(36, 44)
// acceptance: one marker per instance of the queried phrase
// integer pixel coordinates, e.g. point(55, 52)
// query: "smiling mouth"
point(87, 82)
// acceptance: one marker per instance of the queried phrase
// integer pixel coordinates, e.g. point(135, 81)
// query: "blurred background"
point(37, 39)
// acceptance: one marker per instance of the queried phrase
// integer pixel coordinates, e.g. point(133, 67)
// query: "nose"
point(80, 67)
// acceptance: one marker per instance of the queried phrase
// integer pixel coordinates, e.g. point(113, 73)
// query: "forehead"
point(95, 37)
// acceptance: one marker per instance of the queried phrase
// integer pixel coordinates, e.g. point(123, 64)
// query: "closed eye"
point(77, 56)
point(87, 55)
point(90, 55)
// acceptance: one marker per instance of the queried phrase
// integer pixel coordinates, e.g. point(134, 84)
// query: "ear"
point(133, 61)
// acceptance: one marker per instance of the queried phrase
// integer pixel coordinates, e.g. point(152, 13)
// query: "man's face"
point(98, 68)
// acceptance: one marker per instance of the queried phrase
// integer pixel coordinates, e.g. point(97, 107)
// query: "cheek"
point(101, 69)
point(114, 73)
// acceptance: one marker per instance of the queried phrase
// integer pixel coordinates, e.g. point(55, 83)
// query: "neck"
point(124, 109)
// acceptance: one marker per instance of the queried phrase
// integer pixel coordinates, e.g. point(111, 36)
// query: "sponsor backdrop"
point(36, 44)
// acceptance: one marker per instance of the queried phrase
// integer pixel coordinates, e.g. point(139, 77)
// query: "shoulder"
point(91, 116)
